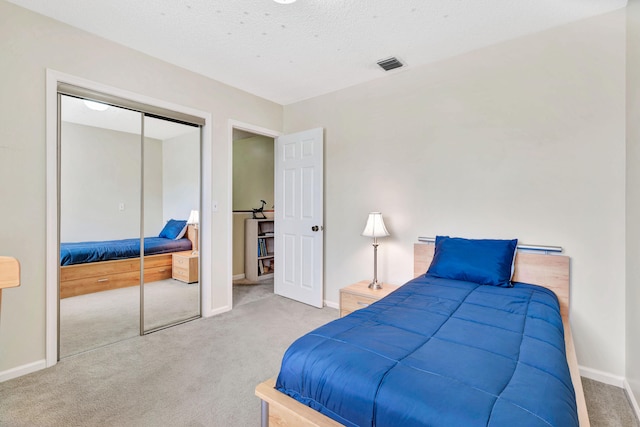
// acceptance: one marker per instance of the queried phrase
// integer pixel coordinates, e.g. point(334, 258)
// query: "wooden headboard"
point(192, 234)
point(549, 271)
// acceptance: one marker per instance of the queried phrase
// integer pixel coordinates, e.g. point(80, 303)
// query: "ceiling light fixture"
point(285, 1)
point(93, 105)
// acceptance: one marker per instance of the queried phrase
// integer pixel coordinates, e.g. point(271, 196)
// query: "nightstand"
point(185, 266)
point(357, 296)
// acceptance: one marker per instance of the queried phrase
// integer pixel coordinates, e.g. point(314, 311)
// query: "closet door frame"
point(53, 78)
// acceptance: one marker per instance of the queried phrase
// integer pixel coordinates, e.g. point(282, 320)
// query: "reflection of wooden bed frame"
point(550, 271)
point(80, 279)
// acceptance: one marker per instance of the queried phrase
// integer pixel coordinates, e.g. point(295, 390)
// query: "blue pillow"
point(486, 262)
point(174, 229)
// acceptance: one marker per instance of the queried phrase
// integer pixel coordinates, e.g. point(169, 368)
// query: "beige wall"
point(253, 172)
point(633, 198)
point(99, 169)
point(523, 139)
point(181, 175)
point(29, 44)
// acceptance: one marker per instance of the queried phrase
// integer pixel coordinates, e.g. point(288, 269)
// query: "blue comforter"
point(439, 352)
point(84, 252)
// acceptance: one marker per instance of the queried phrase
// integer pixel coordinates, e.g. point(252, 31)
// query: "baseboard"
point(22, 370)
point(332, 304)
point(217, 311)
point(632, 398)
point(239, 276)
point(603, 377)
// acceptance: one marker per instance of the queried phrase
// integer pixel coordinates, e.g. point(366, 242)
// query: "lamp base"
point(375, 285)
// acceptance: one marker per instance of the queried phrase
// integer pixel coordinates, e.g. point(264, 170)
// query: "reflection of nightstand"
point(185, 266)
point(357, 296)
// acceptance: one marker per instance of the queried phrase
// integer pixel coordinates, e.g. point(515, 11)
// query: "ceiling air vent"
point(390, 63)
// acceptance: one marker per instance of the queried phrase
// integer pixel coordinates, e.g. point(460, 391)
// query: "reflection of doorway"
point(126, 181)
point(253, 178)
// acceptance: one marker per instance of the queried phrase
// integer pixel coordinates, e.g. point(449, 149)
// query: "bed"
point(351, 401)
point(88, 267)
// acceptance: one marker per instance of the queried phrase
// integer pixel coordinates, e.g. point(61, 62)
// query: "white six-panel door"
point(299, 217)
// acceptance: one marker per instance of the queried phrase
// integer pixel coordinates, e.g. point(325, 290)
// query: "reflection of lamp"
point(192, 232)
point(375, 228)
point(194, 218)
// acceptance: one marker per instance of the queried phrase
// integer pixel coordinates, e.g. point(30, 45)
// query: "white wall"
point(181, 179)
point(31, 43)
point(153, 188)
point(523, 139)
point(100, 169)
point(633, 200)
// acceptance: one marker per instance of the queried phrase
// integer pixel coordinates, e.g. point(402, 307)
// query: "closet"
point(129, 184)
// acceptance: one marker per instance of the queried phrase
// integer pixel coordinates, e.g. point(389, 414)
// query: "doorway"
point(130, 190)
point(296, 230)
point(254, 259)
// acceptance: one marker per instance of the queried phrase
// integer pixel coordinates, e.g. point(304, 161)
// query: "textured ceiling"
point(288, 53)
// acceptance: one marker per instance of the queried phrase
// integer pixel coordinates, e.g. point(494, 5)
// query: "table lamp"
point(375, 228)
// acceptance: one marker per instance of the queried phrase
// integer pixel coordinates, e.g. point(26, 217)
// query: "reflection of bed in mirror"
point(87, 267)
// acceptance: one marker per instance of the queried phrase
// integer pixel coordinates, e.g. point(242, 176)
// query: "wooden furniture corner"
point(185, 266)
point(9, 274)
point(359, 295)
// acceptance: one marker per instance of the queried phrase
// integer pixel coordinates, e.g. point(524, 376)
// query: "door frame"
point(52, 261)
point(231, 125)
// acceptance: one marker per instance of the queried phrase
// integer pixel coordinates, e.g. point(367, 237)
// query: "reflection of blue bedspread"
point(439, 352)
point(84, 252)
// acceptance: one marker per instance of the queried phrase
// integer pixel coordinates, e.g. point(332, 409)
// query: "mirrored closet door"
point(129, 222)
point(100, 191)
point(171, 195)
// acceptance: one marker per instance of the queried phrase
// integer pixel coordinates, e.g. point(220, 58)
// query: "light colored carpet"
point(201, 373)
point(245, 291)
point(607, 405)
point(95, 320)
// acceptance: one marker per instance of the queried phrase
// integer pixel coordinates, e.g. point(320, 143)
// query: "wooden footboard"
point(81, 279)
point(278, 409)
point(550, 271)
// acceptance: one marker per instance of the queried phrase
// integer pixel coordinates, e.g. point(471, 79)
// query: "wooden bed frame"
point(80, 279)
point(550, 271)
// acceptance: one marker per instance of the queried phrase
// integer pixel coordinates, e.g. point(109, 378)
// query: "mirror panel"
point(100, 192)
point(171, 291)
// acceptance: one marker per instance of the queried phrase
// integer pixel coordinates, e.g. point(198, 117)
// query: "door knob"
point(315, 228)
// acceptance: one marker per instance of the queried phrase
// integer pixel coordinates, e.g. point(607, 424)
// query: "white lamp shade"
point(375, 226)
point(194, 218)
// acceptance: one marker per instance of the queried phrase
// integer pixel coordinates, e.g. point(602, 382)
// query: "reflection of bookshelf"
point(258, 249)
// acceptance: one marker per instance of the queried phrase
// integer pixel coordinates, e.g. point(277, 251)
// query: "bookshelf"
point(259, 249)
